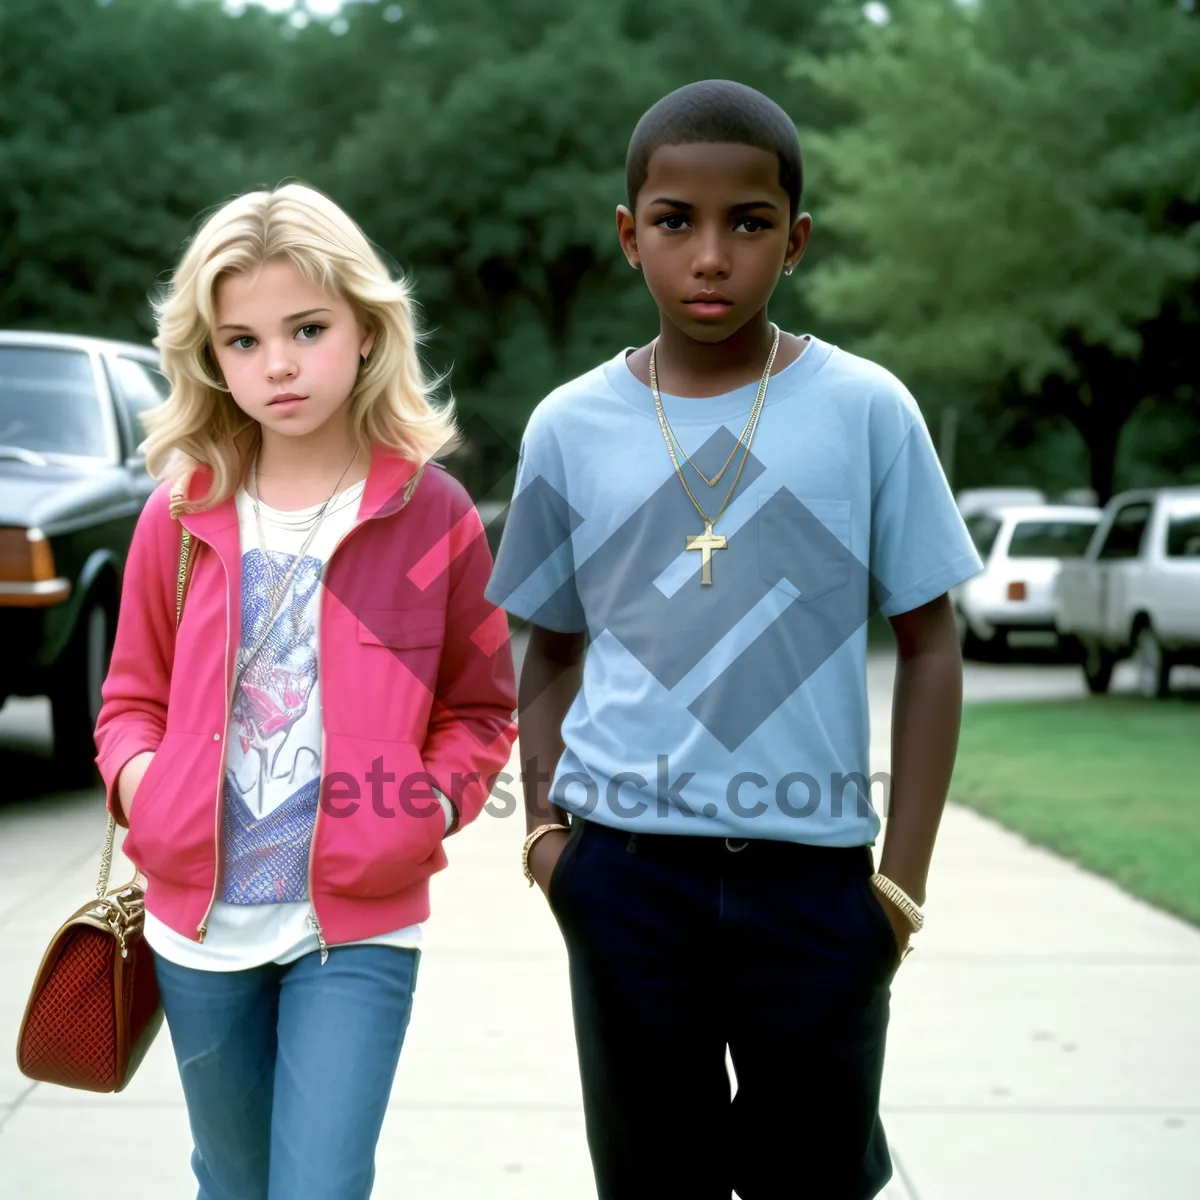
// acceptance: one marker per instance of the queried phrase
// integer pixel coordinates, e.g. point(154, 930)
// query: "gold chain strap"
point(752, 425)
point(185, 553)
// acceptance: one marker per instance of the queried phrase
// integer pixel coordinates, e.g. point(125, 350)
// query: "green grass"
point(1112, 783)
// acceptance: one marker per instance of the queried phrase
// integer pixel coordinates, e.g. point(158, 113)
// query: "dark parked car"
point(72, 485)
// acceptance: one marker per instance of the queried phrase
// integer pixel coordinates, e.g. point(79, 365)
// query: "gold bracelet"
point(531, 841)
point(901, 899)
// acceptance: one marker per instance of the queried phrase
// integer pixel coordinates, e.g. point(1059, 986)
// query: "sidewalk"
point(1045, 1039)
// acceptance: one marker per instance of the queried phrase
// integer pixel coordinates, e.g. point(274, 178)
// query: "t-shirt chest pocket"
point(804, 543)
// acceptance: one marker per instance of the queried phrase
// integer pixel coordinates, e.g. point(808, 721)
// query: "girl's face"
point(288, 350)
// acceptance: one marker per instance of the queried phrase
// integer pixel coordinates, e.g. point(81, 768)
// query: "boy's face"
point(712, 233)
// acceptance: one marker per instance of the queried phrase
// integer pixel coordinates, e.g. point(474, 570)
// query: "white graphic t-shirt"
point(262, 911)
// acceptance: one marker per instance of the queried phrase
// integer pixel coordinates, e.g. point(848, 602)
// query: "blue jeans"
point(287, 1070)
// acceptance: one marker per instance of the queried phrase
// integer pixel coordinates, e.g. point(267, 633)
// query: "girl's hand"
point(130, 779)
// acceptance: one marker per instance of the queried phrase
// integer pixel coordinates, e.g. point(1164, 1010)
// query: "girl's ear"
point(364, 348)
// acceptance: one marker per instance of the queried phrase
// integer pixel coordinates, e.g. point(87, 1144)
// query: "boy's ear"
point(627, 236)
point(798, 241)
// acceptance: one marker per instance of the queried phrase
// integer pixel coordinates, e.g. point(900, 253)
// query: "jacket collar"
point(391, 481)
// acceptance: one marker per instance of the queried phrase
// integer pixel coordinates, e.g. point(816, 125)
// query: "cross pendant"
point(706, 543)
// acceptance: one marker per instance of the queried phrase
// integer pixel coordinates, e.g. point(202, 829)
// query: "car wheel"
point(75, 702)
point(1098, 666)
point(1153, 664)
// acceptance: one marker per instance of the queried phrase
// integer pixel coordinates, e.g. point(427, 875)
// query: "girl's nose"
point(280, 366)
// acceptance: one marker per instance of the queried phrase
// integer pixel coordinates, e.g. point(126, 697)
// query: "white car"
point(1136, 592)
point(971, 501)
point(1012, 601)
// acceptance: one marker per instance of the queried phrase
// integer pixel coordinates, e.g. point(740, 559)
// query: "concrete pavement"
point(1045, 1039)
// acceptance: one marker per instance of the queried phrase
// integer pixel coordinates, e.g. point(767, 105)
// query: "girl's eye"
point(677, 217)
point(754, 224)
point(237, 342)
point(309, 332)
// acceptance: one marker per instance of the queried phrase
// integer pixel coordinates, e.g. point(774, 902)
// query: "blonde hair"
point(199, 423)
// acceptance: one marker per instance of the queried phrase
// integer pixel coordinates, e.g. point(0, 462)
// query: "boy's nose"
point(711, 259)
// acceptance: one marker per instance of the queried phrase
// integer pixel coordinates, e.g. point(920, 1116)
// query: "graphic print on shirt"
point(273, 765)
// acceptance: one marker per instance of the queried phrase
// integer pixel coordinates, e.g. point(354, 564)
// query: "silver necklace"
point(279, 587)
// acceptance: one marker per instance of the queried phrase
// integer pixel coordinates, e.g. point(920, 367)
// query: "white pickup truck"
point(1136, 590)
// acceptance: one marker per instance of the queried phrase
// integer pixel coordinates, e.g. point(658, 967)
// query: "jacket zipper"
point(314, 921)
point(202, 928)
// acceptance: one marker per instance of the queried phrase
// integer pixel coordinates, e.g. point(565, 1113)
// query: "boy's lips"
point(708, 305)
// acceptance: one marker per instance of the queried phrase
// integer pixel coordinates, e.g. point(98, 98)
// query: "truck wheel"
point(75, 701)
point(1098, 666)
point(1153, 665)
point(1070, 648)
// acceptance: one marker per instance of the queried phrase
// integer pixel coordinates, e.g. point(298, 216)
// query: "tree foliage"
point(1015, 195)
point(1005, 195)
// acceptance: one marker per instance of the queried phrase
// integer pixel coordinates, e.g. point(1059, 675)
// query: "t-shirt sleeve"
point(920, 547)
point(534, 573)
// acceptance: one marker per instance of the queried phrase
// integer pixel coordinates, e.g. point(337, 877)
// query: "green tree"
point(494, 159)
point(118, 125)
point(1015, 196)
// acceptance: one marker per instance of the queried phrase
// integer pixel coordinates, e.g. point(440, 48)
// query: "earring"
point(788, 270)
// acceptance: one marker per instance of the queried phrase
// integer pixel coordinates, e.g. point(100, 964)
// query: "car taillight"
point(1016, 591)
point(27, 569)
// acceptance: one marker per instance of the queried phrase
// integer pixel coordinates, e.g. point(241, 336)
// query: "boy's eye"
point(679, 219)
point(306, 333)
point(753, 224)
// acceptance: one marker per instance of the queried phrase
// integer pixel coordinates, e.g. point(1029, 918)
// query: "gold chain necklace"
point(712, 483)
point(708, 541)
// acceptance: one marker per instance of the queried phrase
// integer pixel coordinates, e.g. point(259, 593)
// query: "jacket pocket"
point(172, 831)
point(402, 628)
point(396, 671)
point(804, 544)
point(381, 827)
point(149, 781)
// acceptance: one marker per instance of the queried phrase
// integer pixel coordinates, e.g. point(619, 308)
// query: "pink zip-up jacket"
point(416, 690)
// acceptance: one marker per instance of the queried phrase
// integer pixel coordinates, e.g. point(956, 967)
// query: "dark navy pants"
point(682, 946)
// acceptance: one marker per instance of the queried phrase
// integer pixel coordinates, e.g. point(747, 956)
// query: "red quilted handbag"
point(94, 1007)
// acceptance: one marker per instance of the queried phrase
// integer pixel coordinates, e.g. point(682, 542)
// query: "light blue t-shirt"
point(737, 709)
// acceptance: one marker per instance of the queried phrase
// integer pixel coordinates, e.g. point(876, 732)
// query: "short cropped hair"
point(716, 110)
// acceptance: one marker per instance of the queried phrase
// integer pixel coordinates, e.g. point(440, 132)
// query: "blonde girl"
point(336, 700)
